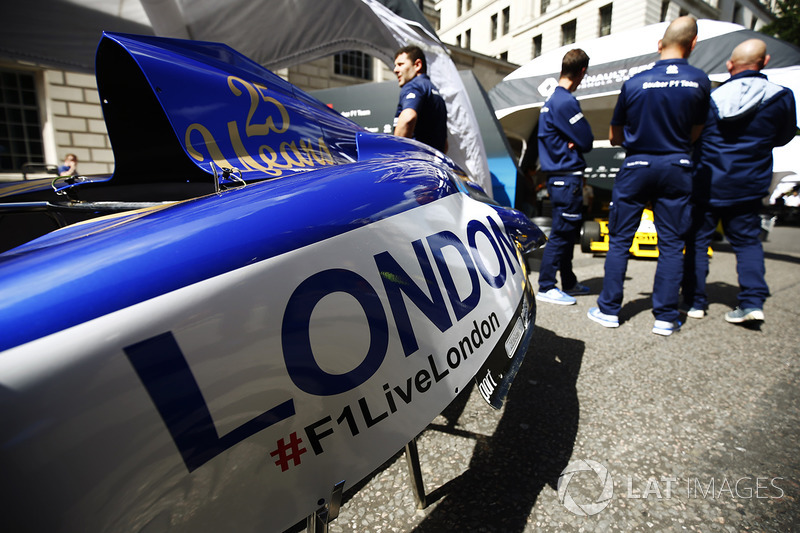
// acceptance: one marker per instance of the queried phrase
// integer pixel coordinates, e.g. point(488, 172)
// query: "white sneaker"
point(555, 296)
point(662, 327)
point(609, 321)
point(739, 315)
point(695, 312)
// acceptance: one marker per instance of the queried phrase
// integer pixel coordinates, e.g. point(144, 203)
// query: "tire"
point(544, 223)
point(590, 232)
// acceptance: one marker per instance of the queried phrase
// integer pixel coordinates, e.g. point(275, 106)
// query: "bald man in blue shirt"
point(749, 116)
point(659, 115)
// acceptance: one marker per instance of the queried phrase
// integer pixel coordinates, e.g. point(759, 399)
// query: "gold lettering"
point(245, 158)
point(254, 91)
point(270, 123)
point(324, 148)
point(211, 145)
point(294, 156)
point(269, 157)
point(318, 155)
point(300, 161)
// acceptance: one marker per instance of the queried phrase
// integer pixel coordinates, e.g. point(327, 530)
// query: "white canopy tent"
point(274, 33)
point(615, 58)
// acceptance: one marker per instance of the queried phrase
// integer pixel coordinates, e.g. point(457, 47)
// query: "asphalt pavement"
point(698, 431)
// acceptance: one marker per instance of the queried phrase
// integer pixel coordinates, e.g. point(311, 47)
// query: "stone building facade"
point(520, 30)
point(76, 117)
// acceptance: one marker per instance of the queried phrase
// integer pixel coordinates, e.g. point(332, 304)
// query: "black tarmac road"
point(699, 431)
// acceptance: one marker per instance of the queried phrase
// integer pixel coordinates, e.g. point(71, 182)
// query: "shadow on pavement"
point(772, 256)
point(595, 285)
point(531, 445)
point(633, 307)
point(719, 292)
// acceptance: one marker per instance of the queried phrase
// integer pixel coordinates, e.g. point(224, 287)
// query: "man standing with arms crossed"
point(421, 110)
point(564, 136)
point(749, 116)
point(659, 114)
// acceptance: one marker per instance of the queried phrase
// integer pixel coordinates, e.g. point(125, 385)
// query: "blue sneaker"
point(555, 296)
point(665, 328)
point(739, 315)
point(578, 290)
point(609, 321)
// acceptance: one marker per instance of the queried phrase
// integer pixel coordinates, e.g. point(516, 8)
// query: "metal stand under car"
point(327, 513)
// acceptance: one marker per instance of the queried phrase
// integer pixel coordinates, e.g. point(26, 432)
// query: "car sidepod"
point(229, 359)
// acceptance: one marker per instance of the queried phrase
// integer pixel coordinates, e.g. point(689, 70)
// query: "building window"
point(459, 6)
point(20, 127)
point(568, 32)
point(506, 19)
point(467, 39)
point(504, 56)
point(537, 46)
point(469, 5)
point(545, 5)
point(493, 32)
point(354, 64)
point(605, 20)
point(664, 10)
point(737, 14)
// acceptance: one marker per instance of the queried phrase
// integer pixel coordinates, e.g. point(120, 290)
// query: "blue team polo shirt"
point(561, 122)
point(659, 107)
point(421, 95)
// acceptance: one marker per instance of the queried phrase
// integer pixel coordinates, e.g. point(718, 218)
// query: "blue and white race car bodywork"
point(273, 301)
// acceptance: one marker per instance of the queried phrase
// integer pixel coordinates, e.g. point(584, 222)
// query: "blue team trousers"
point(741, 224)
point(566, 196)
point(665, 181)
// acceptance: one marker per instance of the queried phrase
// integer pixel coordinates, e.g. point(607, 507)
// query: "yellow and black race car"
point(594, 236)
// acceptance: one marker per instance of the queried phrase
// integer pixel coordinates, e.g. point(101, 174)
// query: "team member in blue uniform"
point(564, 136)
point(749, 116)
point(659, 114)
point(421, 110)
